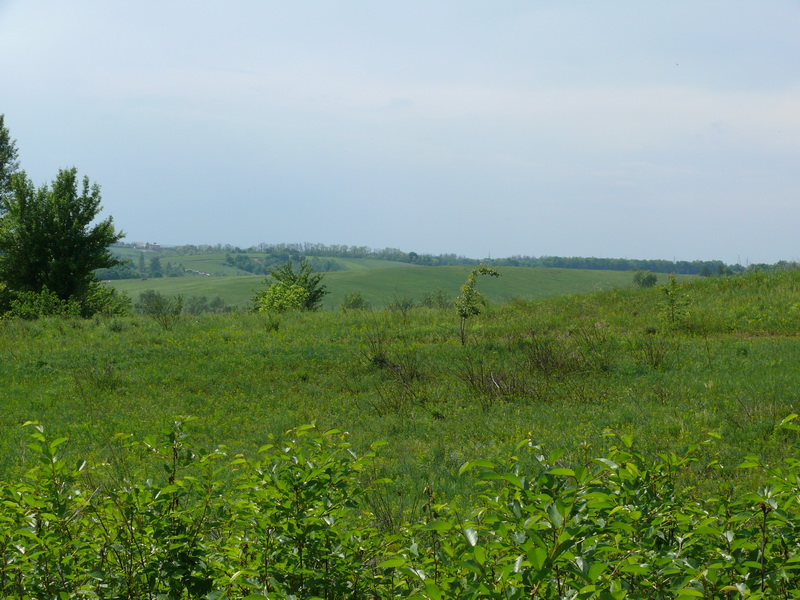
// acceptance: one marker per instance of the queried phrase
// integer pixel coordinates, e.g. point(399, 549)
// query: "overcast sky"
point(630, 129)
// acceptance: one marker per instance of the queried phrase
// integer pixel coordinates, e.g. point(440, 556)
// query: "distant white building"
point(146, 246)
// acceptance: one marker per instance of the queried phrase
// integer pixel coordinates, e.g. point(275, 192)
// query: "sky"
point(624, 129)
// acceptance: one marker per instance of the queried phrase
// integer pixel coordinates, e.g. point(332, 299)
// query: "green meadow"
point(710, 361)
point(609, 444)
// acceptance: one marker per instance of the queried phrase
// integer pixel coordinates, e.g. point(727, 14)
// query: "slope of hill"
point(380, 284)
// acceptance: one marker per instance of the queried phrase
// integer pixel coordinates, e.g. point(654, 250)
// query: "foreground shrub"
point(35, 305)
point(105, 301)
point(292, 523)
point(97, 300)
point(191, 524)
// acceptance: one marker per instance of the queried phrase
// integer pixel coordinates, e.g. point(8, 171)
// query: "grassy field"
point(707, 361)
point(658, 457)
point(380, 284)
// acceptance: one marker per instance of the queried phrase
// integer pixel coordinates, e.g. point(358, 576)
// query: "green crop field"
point(380, 284)
point(234, 290)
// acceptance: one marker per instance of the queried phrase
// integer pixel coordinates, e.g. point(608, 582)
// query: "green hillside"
point(235, 290)
point(380, 284)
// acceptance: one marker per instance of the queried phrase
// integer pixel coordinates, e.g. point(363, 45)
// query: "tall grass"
point(562, 370)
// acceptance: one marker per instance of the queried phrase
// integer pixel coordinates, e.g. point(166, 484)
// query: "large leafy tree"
point(50, 239)
point(9, 162)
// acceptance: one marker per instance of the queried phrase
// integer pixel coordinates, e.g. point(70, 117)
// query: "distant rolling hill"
point(380, 282)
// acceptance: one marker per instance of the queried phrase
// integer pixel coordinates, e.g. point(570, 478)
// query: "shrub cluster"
point(292, 523)
point(96, 300)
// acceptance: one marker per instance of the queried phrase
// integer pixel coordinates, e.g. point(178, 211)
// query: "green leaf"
point(518, 563)
point(689, 593)
point(482, 463)
point(438, 526)
point(562, 472)
point(392, 563)
point(787, 423)
point(642, 569)
point(472, 535)
point(596, 570)
point(555, 517)
point(432, 590)
point(57, 442)
point(537, 556)
point(514, 480)
point(609, 463)
point(473, 566)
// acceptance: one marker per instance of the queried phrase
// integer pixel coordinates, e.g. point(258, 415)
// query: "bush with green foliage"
point(401, 303)
point(617, 526)
point(436, 299)
point(106, 301)
point(281, 297)
point(44, 303)
point(286, 279)
point(192, 524)
point(645, 279)
point(198, 305)
point(294, 522)
point(97, 300)
point(125, 270)
point(354, 301)
point(9, 161)
point(166, 311)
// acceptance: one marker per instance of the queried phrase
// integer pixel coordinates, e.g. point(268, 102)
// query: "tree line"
point(262, 265)
point(236, 256)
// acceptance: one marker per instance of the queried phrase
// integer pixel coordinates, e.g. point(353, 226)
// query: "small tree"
point(281, 297)
point(155, 268)
point(436, 299)
point(287, 276)
point(644, 279)
point(470, 302)
point(49, 238)
point(166, 311)
point(354, 301)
